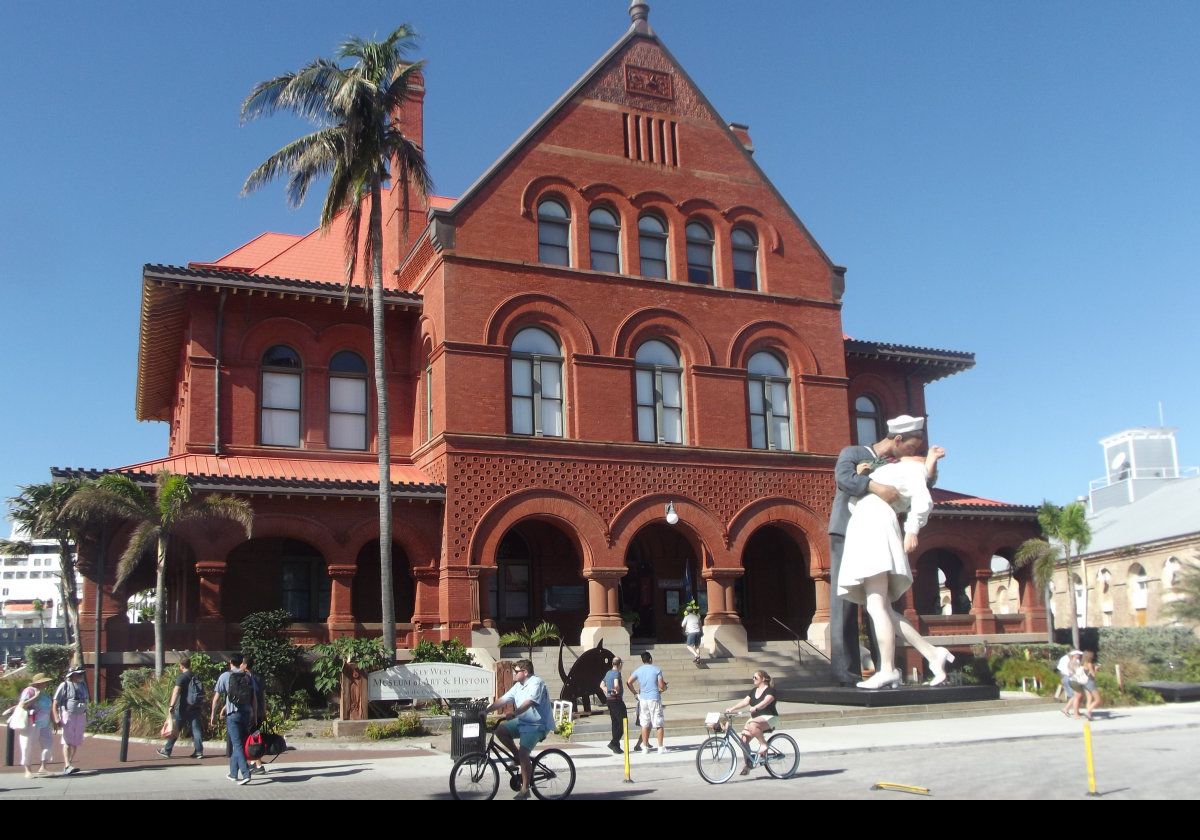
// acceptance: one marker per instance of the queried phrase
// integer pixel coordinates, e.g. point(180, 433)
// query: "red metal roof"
point(256, 252)
point(950, 500)
point(279, 474)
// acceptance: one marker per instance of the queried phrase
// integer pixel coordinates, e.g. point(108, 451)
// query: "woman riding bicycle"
point(764, 717)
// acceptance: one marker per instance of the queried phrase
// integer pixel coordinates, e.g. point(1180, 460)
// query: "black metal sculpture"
point(586, 675)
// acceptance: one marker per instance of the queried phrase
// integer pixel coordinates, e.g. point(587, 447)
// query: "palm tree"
point(1067, 534)
point(39, 607)
point(1186, 607)
point(157, 518)
point(37, 510)
point(527, 638)
point(359, 144)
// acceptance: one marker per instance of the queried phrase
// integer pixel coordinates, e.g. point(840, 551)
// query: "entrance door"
point(662, 577)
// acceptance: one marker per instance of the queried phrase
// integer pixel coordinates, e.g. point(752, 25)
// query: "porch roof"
point(950, 503)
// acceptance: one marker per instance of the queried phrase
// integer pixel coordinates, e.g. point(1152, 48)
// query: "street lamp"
point(672, 516)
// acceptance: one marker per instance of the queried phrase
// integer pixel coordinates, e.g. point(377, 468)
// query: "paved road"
point(1140, 753)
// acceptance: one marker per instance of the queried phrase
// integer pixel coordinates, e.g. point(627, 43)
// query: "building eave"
point(931, 363)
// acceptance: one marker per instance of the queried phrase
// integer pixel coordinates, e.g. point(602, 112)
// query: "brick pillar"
point(425, 607)
point(456, 587)
point(824, 591)
point(486, 619)
point(720, 595)
point(1033, 605)
point(341, 599)
point(981, 608)
point(211, 627)
point(603, 597)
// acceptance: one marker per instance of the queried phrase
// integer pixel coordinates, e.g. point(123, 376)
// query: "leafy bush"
point(406, 725)
point(1130, 695)
point(565, 728)
point(135, 678)
point(148, 700)
point(365, 654)
point(275, 657)
point(11, 688)
point(103, 719)
point(51, 660)
point(1164, 649)
point(1010, 671)
point(285, 713)
point(452, 651)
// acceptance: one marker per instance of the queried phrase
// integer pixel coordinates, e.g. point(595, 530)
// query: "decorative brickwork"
point(648, 58)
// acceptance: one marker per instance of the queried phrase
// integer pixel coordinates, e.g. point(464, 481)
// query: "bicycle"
point(717, 759)
point(475, 775)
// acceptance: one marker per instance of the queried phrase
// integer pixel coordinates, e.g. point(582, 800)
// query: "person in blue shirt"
point(648, 684)
point(530, 718)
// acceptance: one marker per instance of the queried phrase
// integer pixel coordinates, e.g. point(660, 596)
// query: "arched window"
point(866, 422)
point(304, 584)
point(537, 387)
point(1170, 574)
point(745, 260)
point(770, 411)
point(652, 246)
point(279, 419)
point(659, 394)
point(554, 233)
point(604, 230)
point(1139, 593)
point(1080, 600)
point(699, 253)
point(347, 401)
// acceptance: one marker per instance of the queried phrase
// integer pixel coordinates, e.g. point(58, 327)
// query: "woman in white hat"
point(35, 703)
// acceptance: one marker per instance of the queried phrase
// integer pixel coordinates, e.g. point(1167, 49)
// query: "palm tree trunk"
point(1074, 602)
point(160, 606)
point(383, 435)
point(1048, 594)
point(67, 583)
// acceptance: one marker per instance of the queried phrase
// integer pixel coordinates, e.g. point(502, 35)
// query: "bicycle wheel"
point(553, 775)
point(783, 756)
point(716, 761)
point(474, 777)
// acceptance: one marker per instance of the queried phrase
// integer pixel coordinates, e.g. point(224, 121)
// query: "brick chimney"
point(742, 133)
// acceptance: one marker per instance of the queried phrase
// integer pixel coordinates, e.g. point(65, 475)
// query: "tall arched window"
point(659, 394)
point(304, 583)
point(537, 387)
point(279, 419)
point(770, 412)
point(604, 230)
point(652, 246)
point(699, 253)
point(509, 588)
point(745, 259)
point(347, 401)
point(554, 233)
point(866, 422)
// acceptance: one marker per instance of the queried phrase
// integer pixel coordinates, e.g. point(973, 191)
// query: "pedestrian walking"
point(31, 720)
point(187, 710)
point(237, 687)
point(691, 630)
point(69, 710)
point(648, 684)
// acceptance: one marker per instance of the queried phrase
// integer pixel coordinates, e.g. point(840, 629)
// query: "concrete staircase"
point(713, 679)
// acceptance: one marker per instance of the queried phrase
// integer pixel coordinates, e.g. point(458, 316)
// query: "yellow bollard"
point(625, 727)
point(1091, 765)
point(920, 791)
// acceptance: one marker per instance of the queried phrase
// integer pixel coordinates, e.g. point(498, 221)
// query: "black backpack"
point(195, 692)
point(241, 690)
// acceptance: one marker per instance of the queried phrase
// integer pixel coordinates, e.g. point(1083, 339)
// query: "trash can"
point(468, 729)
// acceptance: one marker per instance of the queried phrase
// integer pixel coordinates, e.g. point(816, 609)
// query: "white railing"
point(1148, 472)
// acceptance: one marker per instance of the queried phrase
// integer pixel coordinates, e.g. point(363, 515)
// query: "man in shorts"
point(529, 720)
point(648, 684)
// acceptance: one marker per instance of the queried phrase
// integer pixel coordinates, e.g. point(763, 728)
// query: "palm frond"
point(214, 509)
point(1043, 556)
point(118, 499)
point(307, 93)
point(15, 547)
point(1186, 606)
point(304, 159)
point(1073, 527)
point(143, 543)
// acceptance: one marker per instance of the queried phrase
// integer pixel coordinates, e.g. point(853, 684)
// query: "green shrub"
point(148, 700)
point(51, 660)
point(367, 654)
point(1131, 695)
point(275, 657)
point(1167, 647)
point(285, 713)
point(103, 719)
point(452, 651)
point(406, 725)
point(135, 678)
point(11, 688)
point(1010, 671)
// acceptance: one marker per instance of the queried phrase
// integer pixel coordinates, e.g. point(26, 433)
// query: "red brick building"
point(620, 314)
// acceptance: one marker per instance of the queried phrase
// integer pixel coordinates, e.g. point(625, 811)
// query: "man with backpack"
point(187, 708)
point(239, 711)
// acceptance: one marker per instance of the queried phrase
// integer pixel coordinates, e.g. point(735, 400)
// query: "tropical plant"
point(37, 511)
point(39, 607)
point(275, 657)
point(1067, 534)
point(157, 519)
point(406, 725)
point(343, 652)
point(359, 144)
point(452, 651)
point(527, 638)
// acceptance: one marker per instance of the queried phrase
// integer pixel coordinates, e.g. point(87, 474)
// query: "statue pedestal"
point(615, 639)
point(724, 640)
point(485, 646)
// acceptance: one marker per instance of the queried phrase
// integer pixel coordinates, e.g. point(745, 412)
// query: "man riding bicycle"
point(529, 720)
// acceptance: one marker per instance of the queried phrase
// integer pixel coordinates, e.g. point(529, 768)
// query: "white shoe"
point(941, 658)
point(882, 679)
point(662, 750)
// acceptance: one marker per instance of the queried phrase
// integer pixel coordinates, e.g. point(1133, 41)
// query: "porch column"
point(426, 611)
point(1033, 606)
point(211, 626)
point(341, 599)
point(981, 607)
point(485, 638)
point(723, 633)
point(455, 591)
point(604, 613)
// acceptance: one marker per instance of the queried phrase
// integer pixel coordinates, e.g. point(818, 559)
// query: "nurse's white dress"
point(873, 541)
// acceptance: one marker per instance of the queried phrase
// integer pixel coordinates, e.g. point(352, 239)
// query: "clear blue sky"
point(1018, 179)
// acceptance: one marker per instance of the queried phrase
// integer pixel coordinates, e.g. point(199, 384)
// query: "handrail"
point(799, 641)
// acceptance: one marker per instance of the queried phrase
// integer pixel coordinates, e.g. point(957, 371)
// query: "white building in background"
point(1145, 519)
point(25, 578)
